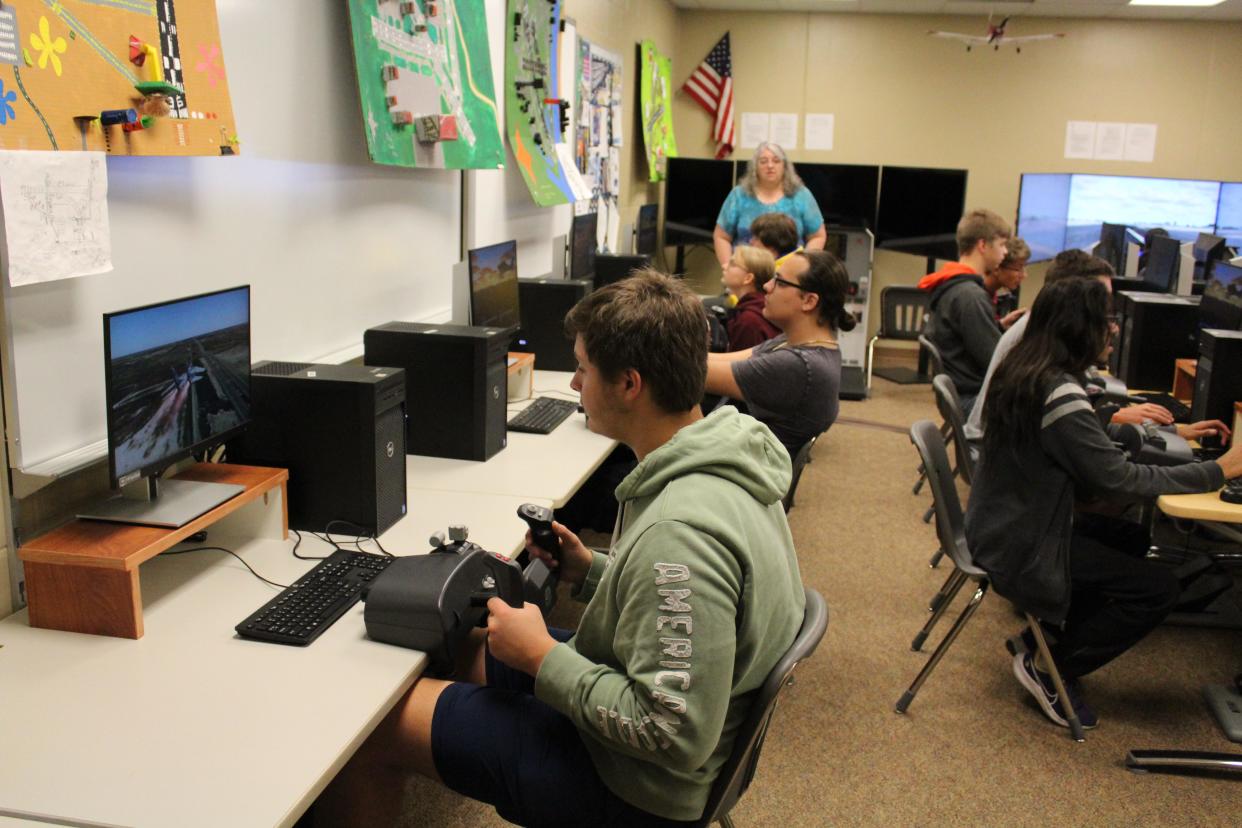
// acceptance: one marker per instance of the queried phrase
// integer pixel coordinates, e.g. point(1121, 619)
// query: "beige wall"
point(901, 97)
point(618, 26)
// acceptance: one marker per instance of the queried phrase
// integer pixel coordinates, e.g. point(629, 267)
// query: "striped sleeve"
point(1065, 399)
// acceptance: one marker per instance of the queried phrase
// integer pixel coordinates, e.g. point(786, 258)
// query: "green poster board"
point(425, 81)
point(656, 105)
point(532, 108)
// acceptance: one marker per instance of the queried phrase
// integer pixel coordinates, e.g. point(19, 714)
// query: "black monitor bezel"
point(517, 324)
point(868, 204)
point(154, 468)
point(941, 242)
point(676, 168)
point(1175, 247)
point(591, 220)
point(1220, 313)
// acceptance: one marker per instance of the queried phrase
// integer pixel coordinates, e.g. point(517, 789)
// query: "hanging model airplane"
point(995, 37)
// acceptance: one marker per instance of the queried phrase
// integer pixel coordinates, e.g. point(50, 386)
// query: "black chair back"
point(799, 461)
point(950, 407)
point(950, 522)
point(903, 312)
point(933, 354)
point(739, 770)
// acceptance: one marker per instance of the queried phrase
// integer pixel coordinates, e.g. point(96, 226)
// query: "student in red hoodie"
point(962, 323)
point(744, 276)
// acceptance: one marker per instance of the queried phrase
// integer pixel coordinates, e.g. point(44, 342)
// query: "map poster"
point(656, 105)
point(425, 82)
point(123, 77)
point(532, 111)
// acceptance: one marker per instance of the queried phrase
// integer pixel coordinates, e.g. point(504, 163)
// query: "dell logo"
point(390, 448)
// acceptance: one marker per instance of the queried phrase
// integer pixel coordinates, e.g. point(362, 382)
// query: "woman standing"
point(771, 185)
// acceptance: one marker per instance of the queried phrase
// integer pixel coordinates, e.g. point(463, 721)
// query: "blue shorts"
point(501, 745)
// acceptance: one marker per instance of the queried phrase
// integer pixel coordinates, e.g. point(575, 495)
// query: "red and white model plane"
point(995, 37)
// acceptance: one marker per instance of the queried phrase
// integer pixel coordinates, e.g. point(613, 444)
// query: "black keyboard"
point(1179, 409)
point(543, 415)
point(304, 610)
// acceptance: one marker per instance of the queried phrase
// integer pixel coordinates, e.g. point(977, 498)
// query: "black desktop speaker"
point(1218, 377)
point(544, 304)
point(455, 381)
point(609, 269)
point(1156, 330)
point(340, 431)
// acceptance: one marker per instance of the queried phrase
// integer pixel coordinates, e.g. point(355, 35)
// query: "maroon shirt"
point(748, 326)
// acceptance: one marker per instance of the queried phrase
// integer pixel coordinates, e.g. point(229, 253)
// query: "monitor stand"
point(172, 503)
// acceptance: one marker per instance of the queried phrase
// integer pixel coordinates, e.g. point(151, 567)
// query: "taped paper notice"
point(755, 126)
point(784, 130)
point(819, 129)
point(55, 215)
point(1079, 139)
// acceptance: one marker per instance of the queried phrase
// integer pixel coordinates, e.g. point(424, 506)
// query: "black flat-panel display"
point(694, 192)
point(919, 210)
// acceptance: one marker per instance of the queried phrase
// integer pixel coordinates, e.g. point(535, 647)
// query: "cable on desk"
point(299, 543)
point(360, 536)
point(235, 555)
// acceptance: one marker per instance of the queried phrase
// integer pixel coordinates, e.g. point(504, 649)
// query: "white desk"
point(545, 466)
point(191, 725)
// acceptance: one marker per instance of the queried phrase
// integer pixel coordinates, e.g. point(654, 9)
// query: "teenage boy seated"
point(1077, 264)
point(628, 721)
point(775, 232)
point(744, 277)
point(790, 382)
point(963, 324)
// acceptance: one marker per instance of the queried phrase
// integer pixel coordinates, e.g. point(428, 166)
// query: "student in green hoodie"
point(628, 721)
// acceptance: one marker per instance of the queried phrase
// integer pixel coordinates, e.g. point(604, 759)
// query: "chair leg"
point(927, 516)
point(904, 702)
point(935, 559)
point(1076, 731)
point(726, 821)
point(918, 484)
point(939, 604)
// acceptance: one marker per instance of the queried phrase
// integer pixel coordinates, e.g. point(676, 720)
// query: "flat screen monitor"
point(582, 244)
point(1229, 213)
point(1112, 245)
point(846, 193)
point(919, 210)
point(694, 192)
point(494, 286)
point(609, 269)
point(645, 241)
point(1043, 206)
point(177, 382)
point(1183, 207)
point(1221, 306)
point(1164, 257)
point(1207, 251)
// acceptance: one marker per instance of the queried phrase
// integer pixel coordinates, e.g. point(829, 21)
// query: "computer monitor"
point(1207, 251)
point(694, 191)
point(846, 193)
point(1183, 207)
point(645, 241)
point(1043, 207)
point(1164, 257)
point(1112, 245)
point(1229, 213)
point(494, 286)
point(919, 210)
point(1221, 306)
point(177, 382)
point(609, 269)
point(582, 244)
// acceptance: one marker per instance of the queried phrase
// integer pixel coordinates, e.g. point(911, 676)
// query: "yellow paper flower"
point(48, 48)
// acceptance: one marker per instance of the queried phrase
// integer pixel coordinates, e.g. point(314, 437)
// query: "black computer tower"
point(455, 385)
point(1157, 329)
point(340, 431)
point(544, 304)
point(1218, 377)
point(609, 269)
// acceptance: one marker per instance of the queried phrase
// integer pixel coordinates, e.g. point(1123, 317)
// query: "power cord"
point(235, 555)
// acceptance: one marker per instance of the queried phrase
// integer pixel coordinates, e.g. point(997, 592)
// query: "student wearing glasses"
point(771, 185)
point(791, 381)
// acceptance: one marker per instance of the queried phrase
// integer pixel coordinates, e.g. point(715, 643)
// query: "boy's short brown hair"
point(652, 323)
point(777, 231)
point(1019, 251)
point(980, 225)
point(1077, 264)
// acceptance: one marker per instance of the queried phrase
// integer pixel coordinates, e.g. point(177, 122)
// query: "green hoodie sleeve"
point(675, 594)
point(586, 590)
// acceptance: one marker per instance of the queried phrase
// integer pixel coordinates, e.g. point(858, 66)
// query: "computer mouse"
point(1231, 495)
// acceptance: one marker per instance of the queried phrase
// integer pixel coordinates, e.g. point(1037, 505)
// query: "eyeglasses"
point(787, 283)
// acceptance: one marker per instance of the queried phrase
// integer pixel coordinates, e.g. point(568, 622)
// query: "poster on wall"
point(656, 105)
point(138, 77)
point(598, 135)
point(533, 115)
point(425, 83)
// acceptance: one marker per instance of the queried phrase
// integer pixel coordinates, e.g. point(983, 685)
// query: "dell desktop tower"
point(340, 431)
point(1157, 329)
point(1218, 376)
point(544, 304)
point(455, 383)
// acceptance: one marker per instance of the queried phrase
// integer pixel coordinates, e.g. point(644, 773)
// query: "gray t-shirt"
point(791, 389)
point(974, 424)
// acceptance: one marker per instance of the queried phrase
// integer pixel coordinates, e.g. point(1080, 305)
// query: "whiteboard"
point(330, 243)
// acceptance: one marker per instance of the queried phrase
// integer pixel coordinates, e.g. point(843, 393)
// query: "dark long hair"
point(1067, 332)
point(827, 277)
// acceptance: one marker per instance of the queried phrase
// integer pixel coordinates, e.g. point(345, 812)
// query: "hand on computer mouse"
point(1136, 414)
point(1209, 433)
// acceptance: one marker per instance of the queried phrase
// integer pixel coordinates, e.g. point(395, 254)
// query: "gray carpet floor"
point(973, 749)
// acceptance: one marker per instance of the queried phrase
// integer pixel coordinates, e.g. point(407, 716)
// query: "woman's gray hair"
point(790, 183)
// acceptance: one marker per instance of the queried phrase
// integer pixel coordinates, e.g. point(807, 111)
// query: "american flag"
point(711, 84)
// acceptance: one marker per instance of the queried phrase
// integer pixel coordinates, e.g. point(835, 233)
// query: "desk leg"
point(84, 599)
